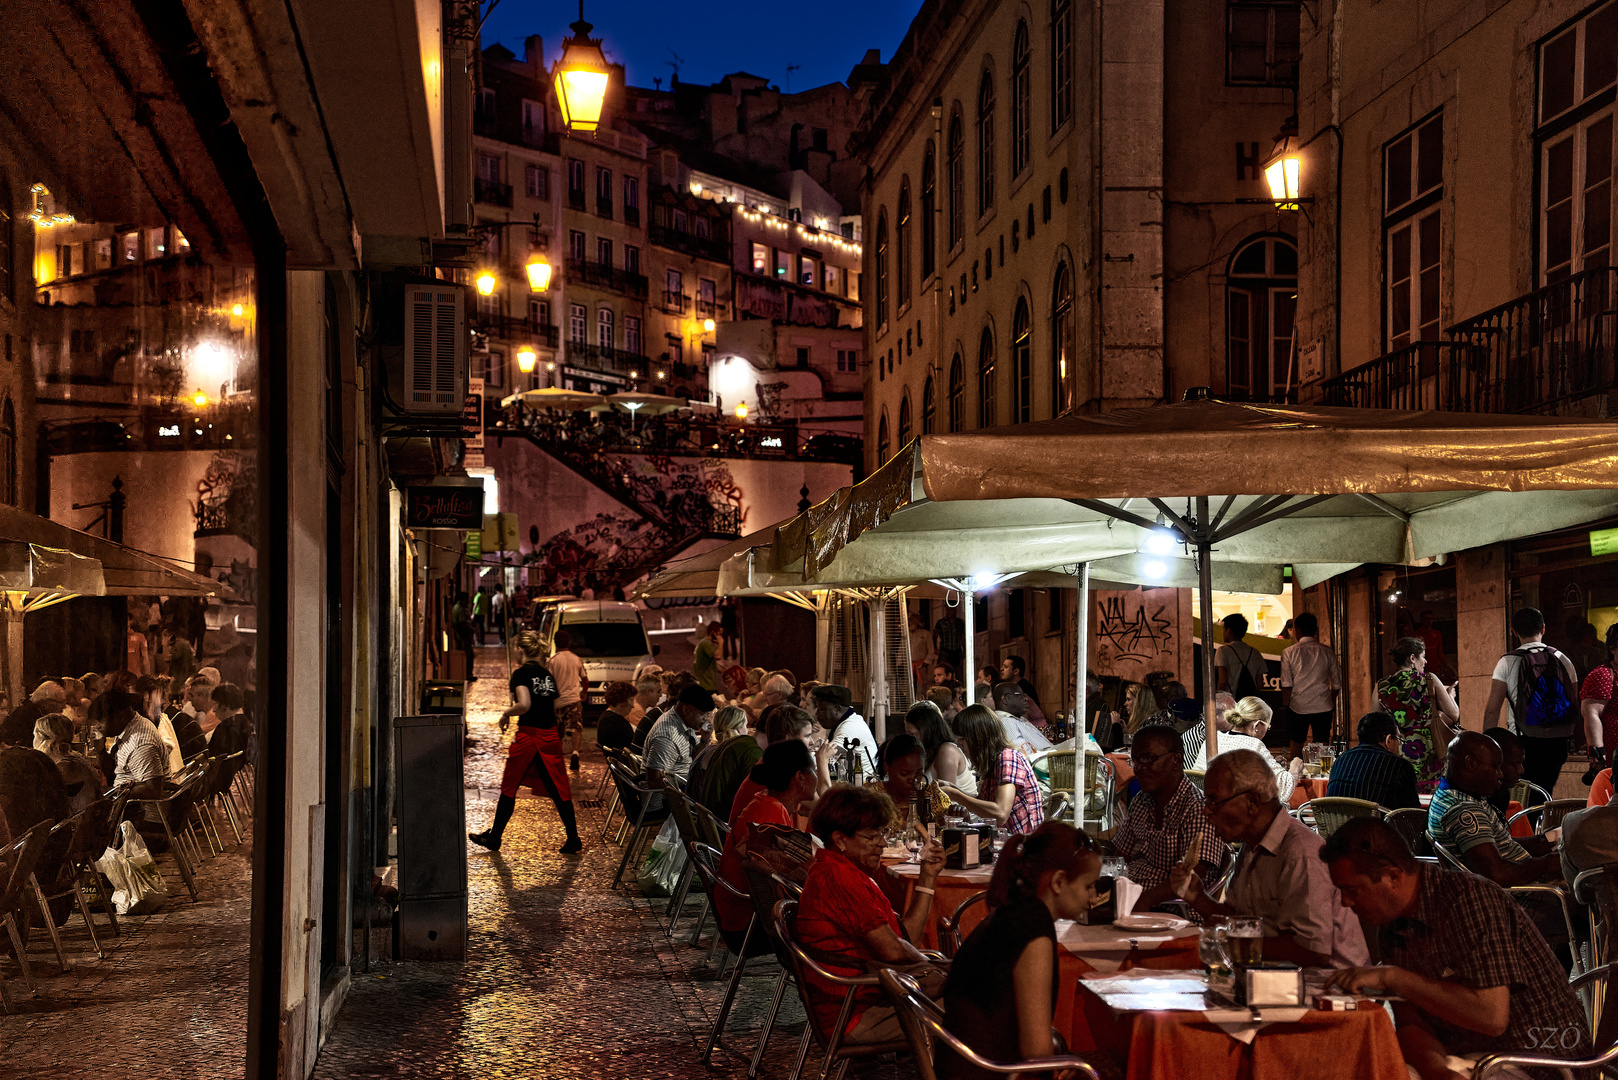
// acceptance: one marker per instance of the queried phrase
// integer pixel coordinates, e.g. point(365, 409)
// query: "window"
point(1022, 121)
point(902, 256)
point(761, 260)
point(1261, 43)
point(806, 271)
point(1063, 377)
point(575, 183)
point(488, 168)
point(701, 227)
point(484, 106)
point(957, 394)
point(603, 251)
point(605, 336)
point(904, 420)
point(1576, 147)
point(676, 348)
point(985, 144)
point(881, 268)
point(539, 313)
point(929, 204)
point(8, 453)
point(575, 245)
point(1022, 364)
point(631, 193)
point(956, 180)
point(539, 182)
point(986, 387)
point(832, 279)
point(494, 369)
point(706, 291)
point(533, 121)
point(603, 191)
point(882, 438)
point(1061, 62)
point(156, 247)
point(929, 406)
point(1414, 165)
point(130, 243)
point(783, 263)
point(632, 334)
point(576, 323)
point(631, 259)
point(1261, 291)
point(674, 282)
point(680, 225)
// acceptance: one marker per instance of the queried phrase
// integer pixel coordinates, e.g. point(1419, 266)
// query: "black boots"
point(502, 814)
point(570, 822)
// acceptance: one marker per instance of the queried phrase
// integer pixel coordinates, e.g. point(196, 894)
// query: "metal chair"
point(680, 810)
point(1059, 806)
point(950, 931)
point(25, 856)
point(1550, 814)
point(61, 871)
point(768, 889)
point(803, 966)
point(706, 860)
point(1527, 793)
point(172, 809)
point(1410, 823)
point(923, 1024)
point(636, 799)
point(1329, 813)
point(1451, 859)
point(631, 763)
point(1597, 889)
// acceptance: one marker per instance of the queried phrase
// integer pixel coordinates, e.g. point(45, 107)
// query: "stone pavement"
point(170, 999)
point(566, 978)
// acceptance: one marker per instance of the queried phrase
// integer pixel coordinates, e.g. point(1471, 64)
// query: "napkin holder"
point(986, 837)
point(960, 848)
point(1269, 982)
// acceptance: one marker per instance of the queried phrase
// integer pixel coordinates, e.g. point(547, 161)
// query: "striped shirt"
point(1464, 821)
point(1151, 852)
point(1371, 773)
point(139, 754)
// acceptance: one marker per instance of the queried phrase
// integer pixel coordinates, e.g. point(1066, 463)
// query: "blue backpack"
point(1547, 696)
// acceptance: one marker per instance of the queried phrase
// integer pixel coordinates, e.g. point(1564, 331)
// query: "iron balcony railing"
point(1537, 353)
point(715, 249)
point(492, 193)
point(607, 359)
point(505, 328)
point(585, 272)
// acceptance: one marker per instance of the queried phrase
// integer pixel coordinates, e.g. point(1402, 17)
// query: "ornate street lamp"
point(1282, 171)
point(526, 359)
point(539, 272)
point(581, 78)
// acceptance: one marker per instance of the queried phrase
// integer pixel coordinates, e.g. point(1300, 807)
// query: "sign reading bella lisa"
point(435, 507)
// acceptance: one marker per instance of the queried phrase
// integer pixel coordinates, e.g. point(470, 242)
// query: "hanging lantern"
point(581, 78)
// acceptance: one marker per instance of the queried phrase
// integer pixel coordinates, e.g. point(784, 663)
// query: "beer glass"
point(1243, 940)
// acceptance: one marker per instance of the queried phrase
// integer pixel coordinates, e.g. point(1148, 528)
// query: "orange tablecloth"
point(1123, 771)
point(1358, 1045)
point(1308, 787)
point(952, 890)
point(1070, 1018)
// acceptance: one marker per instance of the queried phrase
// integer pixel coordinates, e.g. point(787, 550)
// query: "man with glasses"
point(1279, 876)
point(1165, 819)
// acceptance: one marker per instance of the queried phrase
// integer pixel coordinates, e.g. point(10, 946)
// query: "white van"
point(607, 635)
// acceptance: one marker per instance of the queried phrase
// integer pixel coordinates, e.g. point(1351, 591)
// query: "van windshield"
point(608, 639)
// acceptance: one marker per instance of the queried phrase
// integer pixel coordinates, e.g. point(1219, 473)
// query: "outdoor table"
point(953, 888)
point(1123, 771)
point(1308, 787)
point(1088, 950)
point(1167, 1025)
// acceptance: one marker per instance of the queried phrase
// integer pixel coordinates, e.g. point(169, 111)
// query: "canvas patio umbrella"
point(555, 397)
point(1205, 493)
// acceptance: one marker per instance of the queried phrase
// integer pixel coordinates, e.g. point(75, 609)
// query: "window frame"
point(1274, 76)
point(985, 134)
point(957, 393)
point(1259, 291)
point(988, 380)
point(901, 256)
point(1061, 63)
point(880, 254)
point(1064, 378)
point(956, 180)
point(1022, 120)
point(1420, 211)
point(1022, 362)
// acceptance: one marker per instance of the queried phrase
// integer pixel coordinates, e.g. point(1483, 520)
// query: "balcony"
point(631, 215)
point(492, 193)
point(504, 328)
point(576, 200)
point(1541, 353)
point(715, 249)
point(604, 207)
point(675, 303)
point(584, 272)
point(707, 309)
point(606, 359)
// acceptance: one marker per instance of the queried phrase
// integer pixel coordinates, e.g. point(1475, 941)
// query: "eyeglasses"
point(870, 836)
point(1141, 762)
point(1213, 806)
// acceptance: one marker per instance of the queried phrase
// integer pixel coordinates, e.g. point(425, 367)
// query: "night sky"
point(826, 37)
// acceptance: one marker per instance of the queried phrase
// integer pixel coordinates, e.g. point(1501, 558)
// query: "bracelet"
point(924, 890)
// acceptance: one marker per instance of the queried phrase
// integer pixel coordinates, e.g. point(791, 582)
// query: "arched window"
point(882, 268)
point(929, 207)
point(985, 143)
point(1022, 121)
point(8, 453)
point(957, 394)
point(904, 420)
point(902, 231)
point(1063, 377)
point(1022, 364)
point(882, 439)
point(1261, 299)
point(929, 407)
point(1061, 62)
point(986, 402)
point(957, 180)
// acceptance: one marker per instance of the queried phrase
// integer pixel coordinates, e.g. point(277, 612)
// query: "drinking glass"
point(1243, 939)
point(1211, 951)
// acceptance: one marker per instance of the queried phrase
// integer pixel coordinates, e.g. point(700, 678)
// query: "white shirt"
point(1022, 734)
point(1232, 740)
point(171, 744)
point(1310, 669)
point(1509, 669)
point(853, 726)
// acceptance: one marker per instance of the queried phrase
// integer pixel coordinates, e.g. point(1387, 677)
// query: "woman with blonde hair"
point(535, 757)
point(53, 737)
point(1140, 705)
point(728, 723)
point(1249, 721)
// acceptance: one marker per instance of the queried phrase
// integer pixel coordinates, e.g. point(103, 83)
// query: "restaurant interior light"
point(526, 359)
point(539, 273)
point(741, 412)
point(485, 282)
point(1156, 569)
point(581, 77)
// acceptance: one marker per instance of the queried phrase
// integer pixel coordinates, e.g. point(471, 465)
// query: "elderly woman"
point(845, 919)
point(53, 737)
point(1426, 714)
point(1249, 720)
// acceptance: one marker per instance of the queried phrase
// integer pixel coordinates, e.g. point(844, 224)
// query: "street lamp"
point(707, 326)
point(526, 359)
point(485, 282)
point(539, 272)
point(581, 78)
point(1281, 174)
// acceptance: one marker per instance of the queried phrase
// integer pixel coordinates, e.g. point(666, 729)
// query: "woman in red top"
point(786, 773)
point(1596, 699)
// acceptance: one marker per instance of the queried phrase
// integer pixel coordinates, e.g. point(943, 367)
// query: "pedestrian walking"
point(535, 756)
point(497, 613)
point(1422, 710)
point(1540, 687)
point(1310, 683)
point(568, 671)
point(480, 616)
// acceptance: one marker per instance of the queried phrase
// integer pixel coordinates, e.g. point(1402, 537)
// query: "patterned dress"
point(1404, 697)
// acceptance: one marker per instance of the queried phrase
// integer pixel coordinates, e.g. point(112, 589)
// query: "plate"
point(1147, 922)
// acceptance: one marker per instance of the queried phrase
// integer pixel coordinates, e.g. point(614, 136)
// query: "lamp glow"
point(526, 359)
point(581, 78)
point(237, 310)
point(539, 274)
point(982, 580)
point(199, 399)
point(485, 282)
point(1156, 570)
point(707, 326)
point(741, 412)
point(1281, 174)
point(1160, 541)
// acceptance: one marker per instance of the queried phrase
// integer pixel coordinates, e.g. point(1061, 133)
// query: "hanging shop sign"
point(444, 507)
point(1604, 541)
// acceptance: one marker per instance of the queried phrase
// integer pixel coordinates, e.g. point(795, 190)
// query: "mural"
point(1141, 631)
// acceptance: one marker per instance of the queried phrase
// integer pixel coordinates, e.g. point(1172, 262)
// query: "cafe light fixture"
point(526, 359)
point(707, 326)
point(539, 273)
point(741, 412)
point(199, 399)
point(581, 77)
point(1283, 171)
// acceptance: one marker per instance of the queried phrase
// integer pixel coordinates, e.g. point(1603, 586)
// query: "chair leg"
point(179, 852)
point(89, 923)
point(677, 894)
point(22, 954)
point(106, 901)
point(5, 992)
point(769, 1023)
point(730, 992)
point(803, 1050)
point(718, 945)
point(50, 923)
point(629, 847)
point(230, 815)
point(702, 918)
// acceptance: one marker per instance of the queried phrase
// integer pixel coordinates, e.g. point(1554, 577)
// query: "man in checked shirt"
point(1162, 820)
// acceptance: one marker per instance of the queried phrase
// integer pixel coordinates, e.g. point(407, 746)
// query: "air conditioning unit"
point(433, 372)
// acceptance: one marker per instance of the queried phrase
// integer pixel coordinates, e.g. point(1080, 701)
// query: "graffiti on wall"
point(1137, 632)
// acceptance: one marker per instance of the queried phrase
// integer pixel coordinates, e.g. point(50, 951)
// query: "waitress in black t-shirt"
point(1008, 968)
point(535, 757)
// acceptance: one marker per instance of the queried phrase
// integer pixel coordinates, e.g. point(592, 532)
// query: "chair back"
point(1410, 823)
point(28, 849)
point(710, 830)
point(766, 890)
point(899, 989)
point(56, 868)
point(706, 861)
point(680, 810)
point(952, 929)
point(96, 823)
point(1552, 813)
point(1446, 856)
point(1526, 793)
point(1059, 807)
point(1330, 813)
point(802, 966)
point(1598, 889)
point(630, 792)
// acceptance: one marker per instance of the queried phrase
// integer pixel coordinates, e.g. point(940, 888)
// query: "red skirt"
point(535, 761)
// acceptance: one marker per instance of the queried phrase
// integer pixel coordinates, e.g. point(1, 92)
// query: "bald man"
point(1462, 819)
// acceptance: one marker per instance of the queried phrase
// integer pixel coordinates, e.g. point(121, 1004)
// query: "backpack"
point(1547, 697)
point(1245, 686)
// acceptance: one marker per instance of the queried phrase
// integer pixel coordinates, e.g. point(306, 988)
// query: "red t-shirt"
point(744, 797)
point(839, 906)
point(765, 809)
point(1598, 686)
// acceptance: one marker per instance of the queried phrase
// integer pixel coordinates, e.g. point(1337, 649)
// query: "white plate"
point(1148, 922)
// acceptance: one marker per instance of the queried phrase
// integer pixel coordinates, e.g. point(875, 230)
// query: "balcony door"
point(1261, 302)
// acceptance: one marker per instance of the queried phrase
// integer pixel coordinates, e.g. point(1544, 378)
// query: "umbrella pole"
point(969, 677)
point(13, 623)
point(1205, 602)
point(1081, 718)
point(879, 669)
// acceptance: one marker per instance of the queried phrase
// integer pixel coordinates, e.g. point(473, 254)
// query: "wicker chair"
point(1550, 814)
point(1328, 814)
point(1410, 823)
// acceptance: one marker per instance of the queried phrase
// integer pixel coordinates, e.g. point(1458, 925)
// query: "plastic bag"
point(137, 884)
point(664, 863)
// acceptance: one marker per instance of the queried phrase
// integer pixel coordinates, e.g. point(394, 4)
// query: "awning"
point(124, 571)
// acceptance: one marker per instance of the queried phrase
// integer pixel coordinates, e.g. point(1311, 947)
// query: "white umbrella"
point(650, 404)
point(554, 397)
